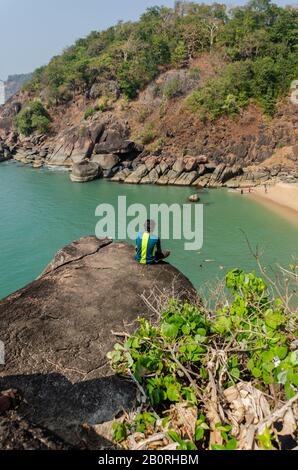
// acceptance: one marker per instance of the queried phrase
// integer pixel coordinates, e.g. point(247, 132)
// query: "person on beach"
point(148, 246)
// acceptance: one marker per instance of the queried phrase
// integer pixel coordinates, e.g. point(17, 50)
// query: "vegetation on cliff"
point(33, 117)
point(209, 363)
point(258, 43)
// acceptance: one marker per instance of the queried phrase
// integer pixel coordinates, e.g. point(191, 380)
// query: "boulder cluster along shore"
point(105, 150)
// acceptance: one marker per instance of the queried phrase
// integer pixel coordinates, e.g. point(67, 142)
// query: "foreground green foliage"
point(258, 42)
point(33, 117)
point(185, 337)
point(248, 339)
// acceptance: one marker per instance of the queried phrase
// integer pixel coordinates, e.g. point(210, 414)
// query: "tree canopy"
point(258, 43)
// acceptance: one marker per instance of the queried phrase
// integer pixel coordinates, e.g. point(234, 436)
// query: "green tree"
point(33, 118)
point(179, 55)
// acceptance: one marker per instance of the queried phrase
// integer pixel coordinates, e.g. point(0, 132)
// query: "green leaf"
point(234, 361)
point(186, 329)
point(187, 445)
point(281, 352)
point(169, 330)
point(120, 431)
point(175, 437)
point(268, 356)
point(203, 373)
point(201, 332)
point(222, 324)
point(265, 440)
point(268, 367)
point(173, 393)
point(218, 447)
point(267, 377)
point(256, 372)
point(165, 421)
point(231, 444)
point(199, 434)
point(235, 373)
point(223, 428)
point(274, 319)
point(289, 390)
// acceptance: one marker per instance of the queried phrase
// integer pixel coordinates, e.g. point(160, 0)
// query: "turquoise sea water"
point(41, 210)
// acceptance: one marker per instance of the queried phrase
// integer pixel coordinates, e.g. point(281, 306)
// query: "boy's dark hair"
point(149, 225)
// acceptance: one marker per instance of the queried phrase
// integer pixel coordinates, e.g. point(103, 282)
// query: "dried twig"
point(121, 335)
point(277, 414)
point(156, 437)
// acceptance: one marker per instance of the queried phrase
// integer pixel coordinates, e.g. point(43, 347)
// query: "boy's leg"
point(163, 255)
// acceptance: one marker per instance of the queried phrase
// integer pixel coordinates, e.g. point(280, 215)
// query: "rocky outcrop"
point(74, 145)
point(58, 330)
point(5, 153)
point(222, 174)
point(185, 171)
point(104, 145)
point(85, 171)
point(110, 154)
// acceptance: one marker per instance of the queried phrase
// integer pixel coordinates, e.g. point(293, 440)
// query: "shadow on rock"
point(52, 401)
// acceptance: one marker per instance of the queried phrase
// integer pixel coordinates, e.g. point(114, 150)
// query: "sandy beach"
point(282, 198)
point(283, 194)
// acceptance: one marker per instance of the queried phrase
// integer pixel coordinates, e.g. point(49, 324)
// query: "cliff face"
point(14, 83)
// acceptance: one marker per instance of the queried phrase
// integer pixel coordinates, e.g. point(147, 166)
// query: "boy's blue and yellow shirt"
point(147, 245)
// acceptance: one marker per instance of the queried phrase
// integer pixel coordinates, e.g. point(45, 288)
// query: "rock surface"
point(85, 171)
point(106, 161)
point(17, 433)
point(5, 153)
point(58, 330)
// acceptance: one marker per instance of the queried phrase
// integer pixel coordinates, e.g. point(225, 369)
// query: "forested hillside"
point(258, 44)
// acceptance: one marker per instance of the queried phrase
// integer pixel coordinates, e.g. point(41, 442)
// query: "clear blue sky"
point(32, 31)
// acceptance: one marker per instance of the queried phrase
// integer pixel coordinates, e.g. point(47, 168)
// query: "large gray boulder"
point(106, 161)
point(77, 143)
point(137, 175)
point(121, 175)
point(70, 147)
point(152, 177)
point(186, 179)
point(85, 171)
point(115, 145)
point(58, 329)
